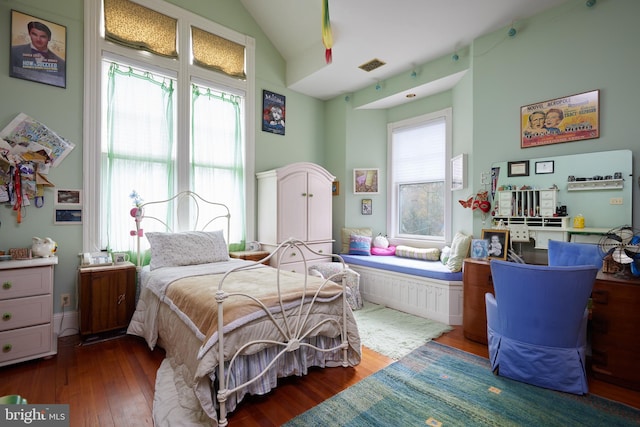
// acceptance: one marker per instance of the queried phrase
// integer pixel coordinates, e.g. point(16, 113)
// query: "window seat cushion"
point(415, 267)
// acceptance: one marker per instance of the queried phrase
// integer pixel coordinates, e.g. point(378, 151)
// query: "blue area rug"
point(437, 385)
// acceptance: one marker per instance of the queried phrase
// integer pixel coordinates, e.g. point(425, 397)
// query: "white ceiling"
point(401, 33)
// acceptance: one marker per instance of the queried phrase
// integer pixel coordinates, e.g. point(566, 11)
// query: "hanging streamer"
point(327, 35)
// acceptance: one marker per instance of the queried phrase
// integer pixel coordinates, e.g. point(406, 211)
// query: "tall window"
point(161, 121)
point(419, 153)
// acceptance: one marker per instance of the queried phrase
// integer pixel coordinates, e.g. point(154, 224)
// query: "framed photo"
point(68, 216)
point(335, 188)
point(273, 112)
point(367, 207)
point(365, 181)
point(47, 62)
point(479, 248)
point(497, 243)
point(68, 197)
point(572, 118)
point(544, 167)
point(459, 172)
point(520, 168)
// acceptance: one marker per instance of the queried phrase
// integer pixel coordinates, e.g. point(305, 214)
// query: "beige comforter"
point(192, 300)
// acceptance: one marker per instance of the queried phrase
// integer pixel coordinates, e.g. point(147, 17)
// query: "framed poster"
point(273, 112)
point(45, 62)
point(68, 216)
point(365, 181)
point(572, 118)
point(544, 167)
point(498, 243)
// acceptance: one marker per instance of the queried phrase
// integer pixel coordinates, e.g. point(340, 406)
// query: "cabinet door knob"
point(6, 316)
point(6, 285)
point(310, 194)
point(304, 194)
point(6, 348)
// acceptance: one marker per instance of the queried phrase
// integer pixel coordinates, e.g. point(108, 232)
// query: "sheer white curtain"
point(138, 152)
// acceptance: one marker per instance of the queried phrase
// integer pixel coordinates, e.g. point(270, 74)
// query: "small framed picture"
point(335, 188)
point(497, 243)
point(365, 181)
point(544, 167)
point(367, 207)
point(68, 216)
point(520, 168)
point(274, 111)
point(68, 197)
point(479, 248)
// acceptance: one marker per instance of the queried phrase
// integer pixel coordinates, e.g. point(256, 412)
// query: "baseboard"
point(66, 323)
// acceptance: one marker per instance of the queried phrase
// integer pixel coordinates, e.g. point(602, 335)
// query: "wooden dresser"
point(107, 297)
point(26, 307)
point(476, 279)
point(615, 319)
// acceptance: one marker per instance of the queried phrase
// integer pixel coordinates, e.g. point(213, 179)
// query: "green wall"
point(62, 110)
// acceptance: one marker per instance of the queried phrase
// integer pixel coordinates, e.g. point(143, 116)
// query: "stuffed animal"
point(380, 241)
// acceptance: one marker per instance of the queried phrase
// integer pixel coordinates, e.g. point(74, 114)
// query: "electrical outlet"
point(615, 201)
point(65, 300)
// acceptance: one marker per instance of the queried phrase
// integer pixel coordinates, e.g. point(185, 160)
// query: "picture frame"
point(67, 216)
point(67, 197)
point(459, 172)
point(498, 243)
point(48, 67)
point(479, 248)
point(365, 181)
point(335, 188)
point(366, 207)
point(544, 167)
point(274, 112)
point(567, 119)
point(519, 168)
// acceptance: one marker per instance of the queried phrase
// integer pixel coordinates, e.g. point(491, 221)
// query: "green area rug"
point(437, 385)
point(394, 333)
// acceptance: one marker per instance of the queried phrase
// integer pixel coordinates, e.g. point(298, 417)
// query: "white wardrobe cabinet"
point(294, 201)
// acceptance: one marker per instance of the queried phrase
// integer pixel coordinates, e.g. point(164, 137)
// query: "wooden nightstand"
point(250, 255)
point(107, 297)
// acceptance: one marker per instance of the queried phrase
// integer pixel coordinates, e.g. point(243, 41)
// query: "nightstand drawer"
point(25, 342)
point(28, 311)
point(25, 282)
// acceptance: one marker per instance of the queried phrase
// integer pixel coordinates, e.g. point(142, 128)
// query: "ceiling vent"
point(372, 65)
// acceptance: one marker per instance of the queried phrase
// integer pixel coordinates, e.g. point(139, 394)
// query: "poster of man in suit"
point(38, 50)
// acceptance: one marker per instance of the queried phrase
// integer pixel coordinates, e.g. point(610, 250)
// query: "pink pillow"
point(391, 250)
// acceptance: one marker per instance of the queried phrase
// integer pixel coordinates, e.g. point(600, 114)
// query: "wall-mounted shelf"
point(602, 184)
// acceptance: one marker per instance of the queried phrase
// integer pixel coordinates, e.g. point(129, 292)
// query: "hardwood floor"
point(111, 383)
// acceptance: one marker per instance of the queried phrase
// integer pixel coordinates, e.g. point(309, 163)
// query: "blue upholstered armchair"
point(569, 253)
point(537, 323)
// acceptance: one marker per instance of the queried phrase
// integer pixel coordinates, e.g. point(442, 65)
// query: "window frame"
point(392, 187)
point(95, 47)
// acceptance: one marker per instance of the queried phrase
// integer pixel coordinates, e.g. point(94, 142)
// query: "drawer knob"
point(320, 251)
point(6, 348)
point(6, 285)
point(293, 254)
point(6, 316)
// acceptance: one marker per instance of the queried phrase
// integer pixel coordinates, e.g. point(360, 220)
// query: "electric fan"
point(623, 244)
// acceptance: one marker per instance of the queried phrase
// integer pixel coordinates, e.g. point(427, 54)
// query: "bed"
point(204, 308)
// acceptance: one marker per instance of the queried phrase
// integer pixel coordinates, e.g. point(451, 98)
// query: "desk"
point(615, 318)
point(594, 234)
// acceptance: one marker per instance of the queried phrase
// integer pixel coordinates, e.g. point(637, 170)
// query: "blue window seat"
point(414, 267)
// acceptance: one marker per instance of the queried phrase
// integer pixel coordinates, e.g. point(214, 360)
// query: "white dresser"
point(294, 201)
point(26, 310)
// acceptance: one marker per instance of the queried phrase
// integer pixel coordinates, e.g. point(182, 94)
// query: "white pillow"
point(459, 250)
point(186, 248)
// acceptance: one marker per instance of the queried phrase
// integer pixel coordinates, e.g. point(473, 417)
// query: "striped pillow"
point(359, 245)
point(427, 254)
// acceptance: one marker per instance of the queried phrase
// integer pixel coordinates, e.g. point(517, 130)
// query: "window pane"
point(421, 209)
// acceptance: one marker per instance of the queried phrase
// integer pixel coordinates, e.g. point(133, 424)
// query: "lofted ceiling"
point(401, 33)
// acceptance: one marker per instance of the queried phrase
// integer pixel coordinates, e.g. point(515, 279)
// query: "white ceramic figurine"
point(43, 247)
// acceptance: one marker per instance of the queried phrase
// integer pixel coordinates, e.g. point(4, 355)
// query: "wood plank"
point(111, 383)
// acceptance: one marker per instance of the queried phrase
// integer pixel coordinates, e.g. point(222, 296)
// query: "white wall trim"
point(67, 323)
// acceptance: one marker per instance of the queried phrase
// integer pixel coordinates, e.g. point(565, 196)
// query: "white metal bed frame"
point(294, 328)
